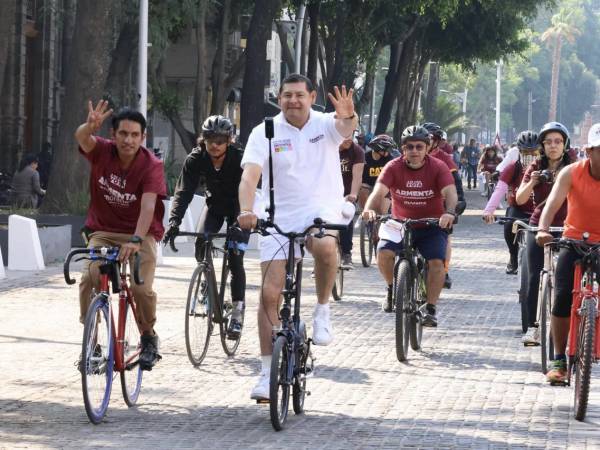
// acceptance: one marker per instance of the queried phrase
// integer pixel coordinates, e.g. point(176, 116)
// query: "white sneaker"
point(322, 329)
point(532, 337)
point(261, 390)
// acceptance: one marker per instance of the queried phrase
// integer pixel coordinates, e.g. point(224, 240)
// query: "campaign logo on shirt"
point(316, 139)
point(284, 145)
point(113, 196)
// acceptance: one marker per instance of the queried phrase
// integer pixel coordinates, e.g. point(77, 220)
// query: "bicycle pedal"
point(262, 401)
point(531, 344)
point(559, 383)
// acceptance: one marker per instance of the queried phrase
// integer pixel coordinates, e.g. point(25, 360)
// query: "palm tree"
point(562, 28)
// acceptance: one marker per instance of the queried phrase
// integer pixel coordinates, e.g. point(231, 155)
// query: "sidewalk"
point(473, 386)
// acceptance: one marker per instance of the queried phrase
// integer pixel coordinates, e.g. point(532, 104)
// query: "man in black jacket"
point(215, 166)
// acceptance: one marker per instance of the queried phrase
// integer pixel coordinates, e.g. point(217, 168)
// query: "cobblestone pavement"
point(473, 386)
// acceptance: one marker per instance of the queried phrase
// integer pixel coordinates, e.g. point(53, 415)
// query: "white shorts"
point(275, 246)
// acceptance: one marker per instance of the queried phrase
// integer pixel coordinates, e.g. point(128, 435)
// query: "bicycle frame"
point(118, 333)
point(583, 291)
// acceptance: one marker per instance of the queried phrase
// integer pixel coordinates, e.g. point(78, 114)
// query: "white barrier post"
point(24, 248)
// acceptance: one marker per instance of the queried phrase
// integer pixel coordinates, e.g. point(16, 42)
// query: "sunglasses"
point(220, 140)
point(418, 147)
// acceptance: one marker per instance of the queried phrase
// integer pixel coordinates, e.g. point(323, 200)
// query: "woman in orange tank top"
point(580, 184)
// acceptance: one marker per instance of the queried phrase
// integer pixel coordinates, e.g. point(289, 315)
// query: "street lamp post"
point(499, 64)
point(462, 98)
point(142, 78)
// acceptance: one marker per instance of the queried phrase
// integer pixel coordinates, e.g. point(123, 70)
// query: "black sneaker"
point(234, 329)
point(428, 319)
point(447, 282)
point(149, 355)
point(387, 303)
point(511, 269)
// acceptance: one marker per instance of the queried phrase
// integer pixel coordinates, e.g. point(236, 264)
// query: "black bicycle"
point(292, 360)
point(209, 303)
point(409, 288)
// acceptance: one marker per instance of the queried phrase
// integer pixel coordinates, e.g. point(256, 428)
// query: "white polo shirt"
point(306, 170)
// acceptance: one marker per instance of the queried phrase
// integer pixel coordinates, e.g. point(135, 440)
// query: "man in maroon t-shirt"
point(421, 187)
point(127, 186)
point(352, 162)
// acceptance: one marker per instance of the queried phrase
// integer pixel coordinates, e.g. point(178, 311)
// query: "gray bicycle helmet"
point(217, 126)
point(528, 140)
point(434, 129)
point(557, 127)
point(415, 133)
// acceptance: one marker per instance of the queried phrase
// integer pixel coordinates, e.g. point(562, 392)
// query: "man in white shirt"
point(307, 184)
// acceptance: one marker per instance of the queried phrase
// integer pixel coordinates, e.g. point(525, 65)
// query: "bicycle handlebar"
point(431, 221)
point(108, 254)
point(262, 226)
point(526, 226)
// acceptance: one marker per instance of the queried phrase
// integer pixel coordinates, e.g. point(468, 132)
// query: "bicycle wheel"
point(230, 346)
point(419, 297)
point(338, 286)
point(546, 344)
point(279, 388)
point(198, 317)
point(523, 289)
point(402, 291)
point(97, 360)
point(131, 377)
point(584, 358)
point(366, 243)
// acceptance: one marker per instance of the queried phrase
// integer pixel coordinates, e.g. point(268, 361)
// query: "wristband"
point(450, 212)
point(245, 212)
point(545, 230)
point(346, 118)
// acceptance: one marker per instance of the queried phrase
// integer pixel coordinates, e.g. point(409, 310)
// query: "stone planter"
point(55, 242)
point(76, 223)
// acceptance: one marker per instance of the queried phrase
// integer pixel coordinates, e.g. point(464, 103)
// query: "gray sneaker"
point(347, 261)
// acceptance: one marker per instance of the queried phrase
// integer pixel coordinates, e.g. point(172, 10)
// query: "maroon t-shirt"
point(514, 181)
point(416, 193)
point(444, 157)
point(447, 148)
point(489, 165)
point(352, 155)
point(116, 194)
point(541, 191)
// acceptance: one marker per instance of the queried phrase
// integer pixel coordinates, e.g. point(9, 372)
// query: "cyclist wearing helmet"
point(436, 133)
point(509, 182)
point(579, 184)
point(378, 155)
point(554, 139)
point(487, 166)
point(420, 185)
point(215, 166)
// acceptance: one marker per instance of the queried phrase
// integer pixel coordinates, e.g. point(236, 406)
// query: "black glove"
point(495, 176)
point(171, 233)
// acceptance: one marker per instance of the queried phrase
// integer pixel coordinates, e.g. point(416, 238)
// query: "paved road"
point(472, 386)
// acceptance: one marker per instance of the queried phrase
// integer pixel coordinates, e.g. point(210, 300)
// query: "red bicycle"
point(107, 349)
point(584, 339)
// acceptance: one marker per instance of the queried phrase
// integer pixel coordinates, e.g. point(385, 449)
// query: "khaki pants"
point(145, 297)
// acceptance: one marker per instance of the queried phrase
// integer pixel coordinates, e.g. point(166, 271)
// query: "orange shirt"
point(584, 204)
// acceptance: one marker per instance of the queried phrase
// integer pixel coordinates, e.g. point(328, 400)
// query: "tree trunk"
point(337, 74)
point(313, 46)
point(200, 91)
point(69, 18)
point(555, 76)
point(253, 92)
point(367, 91)
point(390, 89)
point(7, 29)
point(286, 53)
point(86, 77)
point(218, 72)
point(118, 85)
point(432, 92)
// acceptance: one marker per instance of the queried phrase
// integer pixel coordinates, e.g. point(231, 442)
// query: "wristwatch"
point(136, 239)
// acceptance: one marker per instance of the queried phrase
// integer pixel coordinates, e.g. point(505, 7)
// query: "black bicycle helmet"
point(382, 143)
point(557, 127)
point(217, 125)
point(528, 140)
point(415, 133)
point(434, 129)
